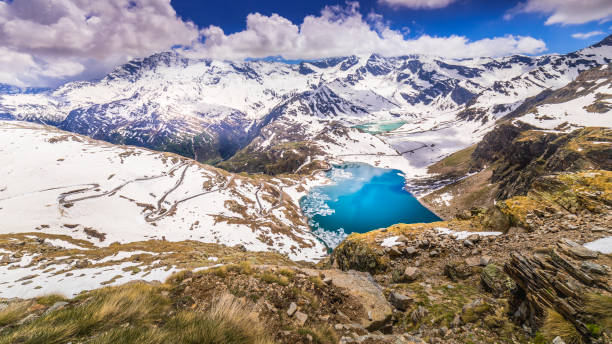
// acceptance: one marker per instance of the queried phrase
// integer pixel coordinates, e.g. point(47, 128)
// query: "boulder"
point(400, 301)
point(27, 320)
point(474, 238)
point(472, 261)
point(485, 260)
point(362, 287)
point(56, 306)
point(410, 251)
point(412, 274)
point(494, 219)
point(394, 252)
point(593, 267)
point(582, 252)
point(558, 340)
point(552, 279)
point(81, 263)
point(495, 280)
point(459, 270)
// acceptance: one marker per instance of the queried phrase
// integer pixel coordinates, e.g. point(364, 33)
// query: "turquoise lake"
point(361, 198)
point(379, 127)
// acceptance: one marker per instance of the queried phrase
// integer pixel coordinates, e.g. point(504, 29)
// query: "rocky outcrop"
point(362, 287)
point(559, 280)
point(359, 255)
point(521, 155)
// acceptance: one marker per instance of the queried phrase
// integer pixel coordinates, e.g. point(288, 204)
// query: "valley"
point(358, 199)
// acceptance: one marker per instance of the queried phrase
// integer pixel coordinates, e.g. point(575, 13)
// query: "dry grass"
point(270, 277)
point(556, 325)
point(229, 320)
point(136, 313)
point(600, 308)
point(321, 334)
point(50, 299)
point(14, 312)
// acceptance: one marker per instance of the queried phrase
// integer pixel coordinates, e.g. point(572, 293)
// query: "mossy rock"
point(357, 254)
point(495, 280)
point(475, 311)
point(496, 219)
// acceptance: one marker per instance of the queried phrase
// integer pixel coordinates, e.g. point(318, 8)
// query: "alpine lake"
point(361, 198)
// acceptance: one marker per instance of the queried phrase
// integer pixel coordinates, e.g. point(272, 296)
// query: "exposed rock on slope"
point(518, 157)
point(510, 159)
point(523, 147)
point(567, 279)
point(467, 283)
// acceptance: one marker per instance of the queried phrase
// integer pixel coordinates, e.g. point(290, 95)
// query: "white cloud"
point(586, 35)
point(341, 31)
point(67, 37)
point(416, 4)
point(46, 42)
point(566, 12)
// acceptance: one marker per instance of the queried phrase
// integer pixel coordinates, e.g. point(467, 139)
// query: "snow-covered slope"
point(209, 109)
point(585, 102)
point(61, 183)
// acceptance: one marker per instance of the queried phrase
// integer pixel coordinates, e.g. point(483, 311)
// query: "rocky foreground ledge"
point(531, 269)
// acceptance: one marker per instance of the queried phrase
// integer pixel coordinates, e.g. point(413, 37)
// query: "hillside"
point(565, 130)
point(61, 183)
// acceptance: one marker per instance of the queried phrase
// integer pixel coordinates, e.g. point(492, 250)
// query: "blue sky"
point(49, 42)
point(475, 19)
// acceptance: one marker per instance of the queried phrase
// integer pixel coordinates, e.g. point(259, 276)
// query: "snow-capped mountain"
point(220, 110)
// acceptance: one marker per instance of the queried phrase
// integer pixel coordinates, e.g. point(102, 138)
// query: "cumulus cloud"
point(46, 42)
point(586, 35)
point(59, 38)
point(416, 4)
point(566, 12)
point(340, 31)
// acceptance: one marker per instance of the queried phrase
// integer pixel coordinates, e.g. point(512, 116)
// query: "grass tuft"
point(14, 312)
point(600, 308)
point(50, 299)
point(270, 277)
point(556, 325)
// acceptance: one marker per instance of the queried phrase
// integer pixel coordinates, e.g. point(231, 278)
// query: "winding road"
point(156, 214)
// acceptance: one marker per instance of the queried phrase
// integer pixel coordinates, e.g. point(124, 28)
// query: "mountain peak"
point(604, 42)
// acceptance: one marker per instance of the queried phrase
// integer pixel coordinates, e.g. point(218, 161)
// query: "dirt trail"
point(161, 213)
point(62, 197)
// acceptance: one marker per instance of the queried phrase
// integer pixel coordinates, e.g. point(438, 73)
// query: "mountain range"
point(245, 116)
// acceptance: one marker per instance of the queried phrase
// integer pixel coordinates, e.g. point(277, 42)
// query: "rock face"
point(521, 155)
point(362, 286)
point(553, 280)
